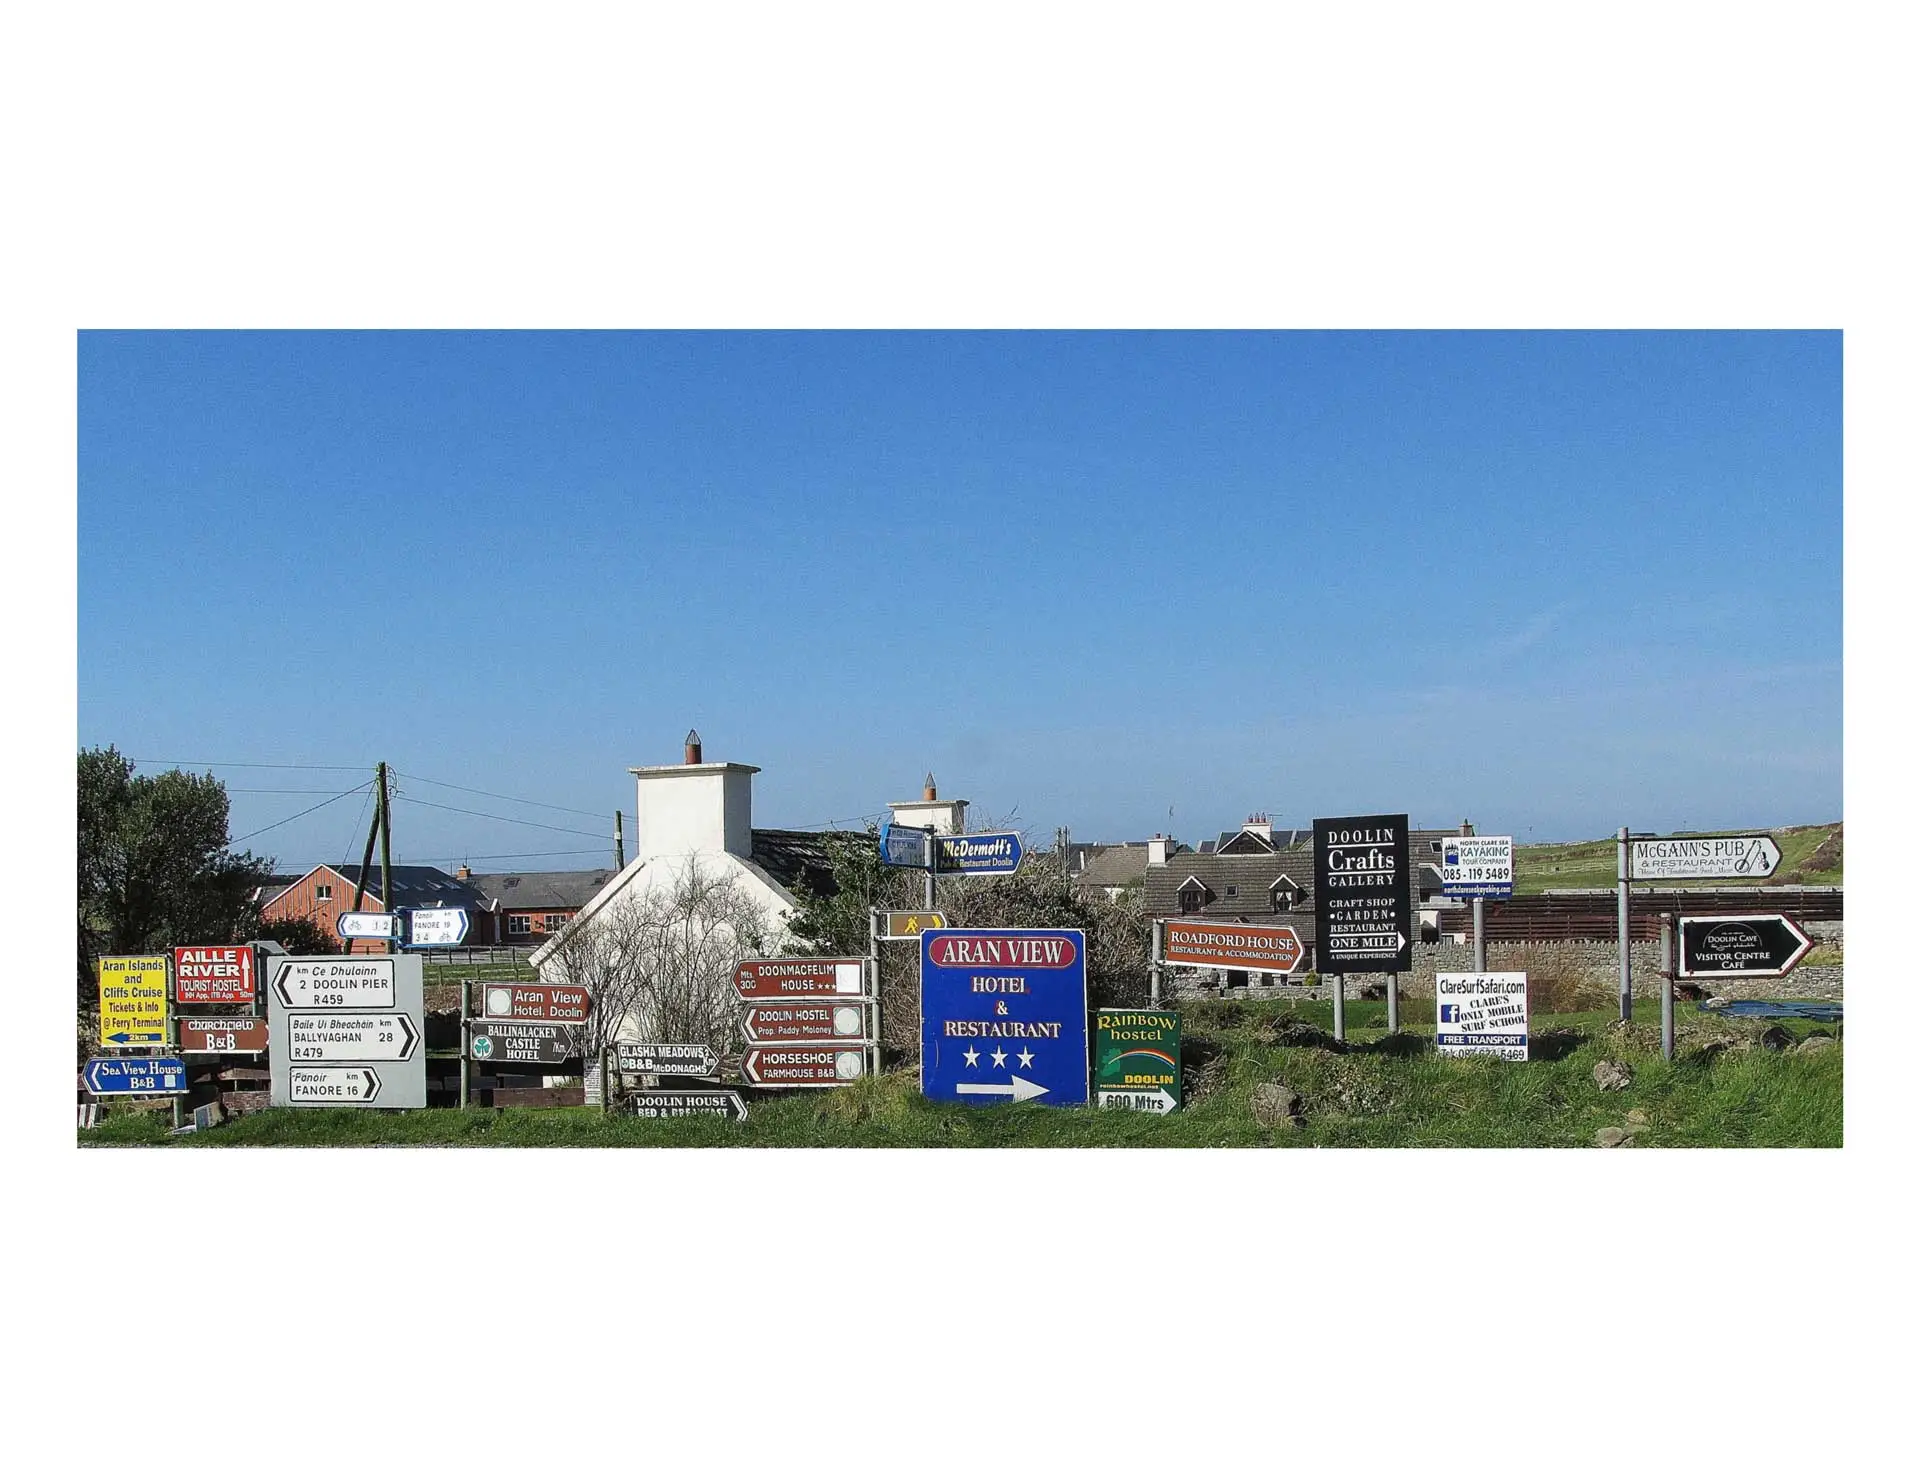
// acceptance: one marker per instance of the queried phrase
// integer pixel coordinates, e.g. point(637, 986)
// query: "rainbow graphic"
point(1159, 1056)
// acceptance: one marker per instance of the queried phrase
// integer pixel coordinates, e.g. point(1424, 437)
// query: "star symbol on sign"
point(971, 1057)
point(1026, 1059)
point(999, 1058)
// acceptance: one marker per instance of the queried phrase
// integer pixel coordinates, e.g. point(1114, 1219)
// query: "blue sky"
point(1114, 581)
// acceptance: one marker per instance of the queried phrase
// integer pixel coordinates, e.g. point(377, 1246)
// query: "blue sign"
point(988, 854)
point(1003, 1015)
point(903, 846)
point(435, 928)
point(108, 1075)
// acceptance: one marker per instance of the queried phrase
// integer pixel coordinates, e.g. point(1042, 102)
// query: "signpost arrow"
point(333, 1084)
point(368, 925)
point(1753, 945)
point(895, 926)
point(134, 1038)
point(697, 1104)
point(536, 1003)
point(436, 928)
point(135, 1076)
point(805, 1020)
point(350, 1038)
point(343, 984)
point(544, 1042)
point(984, 854)
point(906, 846)
point(803, 1066)
point(1019, 1089)
point(777, 979)
point(666, 1058)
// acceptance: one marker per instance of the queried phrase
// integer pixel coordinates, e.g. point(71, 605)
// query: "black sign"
point(717, 1103)
point(541, 1042)
point(1753, 944)
point(665, 1058)
point(1362, 895)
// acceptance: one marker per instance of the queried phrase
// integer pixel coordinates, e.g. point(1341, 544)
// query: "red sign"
point(1002, 951)
point(779, 979)
point(223, 1033)
point(1232, 946)
point(534, 1002)
point(805, 1020)
point(803, 1066)
point(213, 974)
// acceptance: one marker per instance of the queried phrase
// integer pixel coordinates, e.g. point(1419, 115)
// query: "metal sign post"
point(1479, 935)
point(1339, 1007)
point(1666, 986)
point(1626, 945)
point(1393, 1004)
point(1156, 951)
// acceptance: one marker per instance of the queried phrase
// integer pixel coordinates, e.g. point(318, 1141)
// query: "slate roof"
point(1115, 866)
point(791, 857)
point(1251, 876)
point(419, 887)
point(541, 890)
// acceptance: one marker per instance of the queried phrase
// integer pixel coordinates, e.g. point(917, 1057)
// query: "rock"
point(1637, 1118)
point(1612, 1076)
point(1275, 1105)
point(1612, 1138)
point(1816, 1043)
point(1305, 1033)
point(1777, 1038)
point(1716, 1002)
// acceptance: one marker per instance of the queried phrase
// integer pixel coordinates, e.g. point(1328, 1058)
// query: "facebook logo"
point(1449, 1014)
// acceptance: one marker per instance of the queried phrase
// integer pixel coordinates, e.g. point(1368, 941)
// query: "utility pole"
point(619, 842)
point(386, 848)
point(373, 830)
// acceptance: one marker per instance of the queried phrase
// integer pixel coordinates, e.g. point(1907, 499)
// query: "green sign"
point(1136, 1059)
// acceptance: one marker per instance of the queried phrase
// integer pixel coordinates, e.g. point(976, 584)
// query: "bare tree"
point(659, 963)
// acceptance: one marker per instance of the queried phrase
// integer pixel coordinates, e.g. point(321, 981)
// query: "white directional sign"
point(347, 1032)
point(349, 1038)
point(436, 928)
point(350, 1085)
point(1669, 858)
point(1019, 1090)
point(342, 983)
point(1157, 1101)
point(368, 925)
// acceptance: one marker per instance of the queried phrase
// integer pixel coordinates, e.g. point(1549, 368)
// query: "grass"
point(1803, 862)
point(1382, 1092)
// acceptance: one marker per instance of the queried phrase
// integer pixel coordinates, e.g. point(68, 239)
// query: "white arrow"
point(1158, 1101)
point(1019, 1089)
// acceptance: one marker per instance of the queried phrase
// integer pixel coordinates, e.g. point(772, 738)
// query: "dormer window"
point(1285, 894)
point(1193, 895)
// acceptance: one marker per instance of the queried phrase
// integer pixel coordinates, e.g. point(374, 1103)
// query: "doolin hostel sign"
point(1362, 894)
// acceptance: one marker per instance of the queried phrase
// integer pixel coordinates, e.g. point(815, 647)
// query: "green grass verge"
point(1594, 863)
point(1385, 1092)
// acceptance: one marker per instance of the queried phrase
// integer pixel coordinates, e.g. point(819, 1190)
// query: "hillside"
point(1810, 856)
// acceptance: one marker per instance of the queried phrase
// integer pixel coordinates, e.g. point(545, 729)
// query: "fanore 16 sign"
point(213, 974)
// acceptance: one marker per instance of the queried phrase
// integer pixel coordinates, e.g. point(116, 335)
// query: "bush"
point(1556, 983)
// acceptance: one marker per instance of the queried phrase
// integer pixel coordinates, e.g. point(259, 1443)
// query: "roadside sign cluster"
point(347, 1032)
point(981, 854)
point(1482, 1015)
point(410, 928)
point(1003, 1015)
point(807, 1022)
point(1476, 866)
point(1362, 894)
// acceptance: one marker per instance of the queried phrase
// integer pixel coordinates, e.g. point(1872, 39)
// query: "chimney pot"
point(693, 746)
point(930, 791)
point(463, 872)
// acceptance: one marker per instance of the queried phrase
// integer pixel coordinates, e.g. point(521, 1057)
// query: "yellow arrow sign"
point(909, 925)
point(133, 1000)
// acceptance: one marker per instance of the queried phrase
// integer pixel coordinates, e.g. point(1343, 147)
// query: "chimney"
point(931, 791)
point(693, 808)
point(693, 746)
point(1157, 850)
point(1260, 825)
point(463, 872)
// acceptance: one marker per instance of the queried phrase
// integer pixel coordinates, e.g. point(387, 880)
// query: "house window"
point(519, 923)
point(323, 892)
point(1191, 899)
point(1233, 891)
point(554, 922)
point(1282, 900)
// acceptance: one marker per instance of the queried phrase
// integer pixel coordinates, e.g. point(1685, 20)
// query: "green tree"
point(155, 869)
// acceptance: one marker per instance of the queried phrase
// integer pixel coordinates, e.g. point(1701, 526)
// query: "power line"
point(246, 764)
point(499, 856)
point(243, 790)
point(543, 804)
point(347, 856)
point(505, 819)
point(296, 816)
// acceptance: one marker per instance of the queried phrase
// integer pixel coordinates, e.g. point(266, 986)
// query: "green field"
point(1725, 1089)
point(1810, 856)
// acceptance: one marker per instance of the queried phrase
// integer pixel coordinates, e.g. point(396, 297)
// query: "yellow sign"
point(909, 925)
point(133, 1000)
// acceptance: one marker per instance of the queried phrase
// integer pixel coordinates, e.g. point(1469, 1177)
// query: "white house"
point(699, 814)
